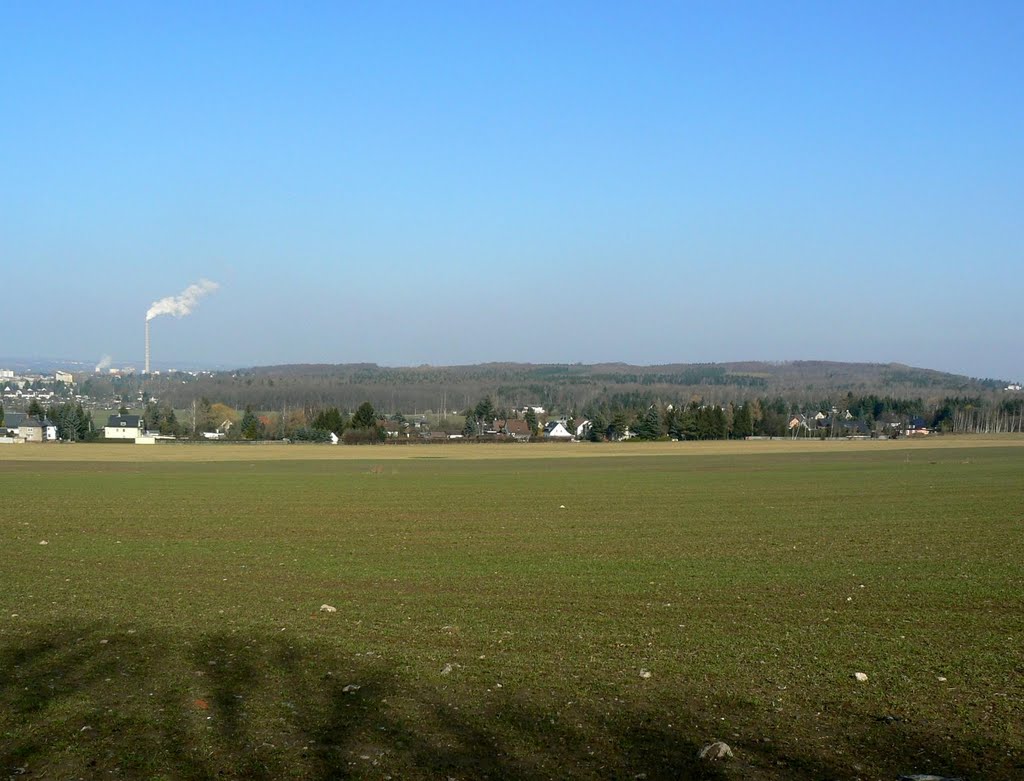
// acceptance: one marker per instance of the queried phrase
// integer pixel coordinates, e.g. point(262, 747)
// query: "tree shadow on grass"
point(92, 700)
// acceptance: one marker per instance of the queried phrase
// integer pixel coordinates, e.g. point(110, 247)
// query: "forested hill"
point(559, 387)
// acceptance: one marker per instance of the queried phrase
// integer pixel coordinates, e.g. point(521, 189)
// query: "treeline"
point(647, 418)
point(694, 420)
point(972, 416)
point(303, 424)
point(637, 414)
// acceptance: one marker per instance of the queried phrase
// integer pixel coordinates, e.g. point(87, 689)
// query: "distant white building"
point(556, 430)
point(124, 427)
point(63, 377)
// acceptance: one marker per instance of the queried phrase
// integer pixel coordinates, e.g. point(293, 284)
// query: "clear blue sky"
point(410, 183)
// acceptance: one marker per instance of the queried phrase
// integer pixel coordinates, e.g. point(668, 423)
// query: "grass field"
point(171, 626)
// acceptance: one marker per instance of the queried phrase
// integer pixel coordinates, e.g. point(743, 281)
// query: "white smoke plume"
point(183, 303)
point(104, 363)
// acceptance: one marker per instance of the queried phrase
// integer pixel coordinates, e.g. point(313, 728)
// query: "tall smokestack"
point(179, 305)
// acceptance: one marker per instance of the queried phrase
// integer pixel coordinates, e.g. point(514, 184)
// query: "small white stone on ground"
point(861, 677)
point(942, 679)
point(713, 751)
point(561, 507)
point(328, 609)
point(645, 673)
point(43, 542)
point(352, 687)
point(446, 670)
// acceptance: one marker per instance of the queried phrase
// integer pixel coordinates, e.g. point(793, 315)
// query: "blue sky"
point(461, 182)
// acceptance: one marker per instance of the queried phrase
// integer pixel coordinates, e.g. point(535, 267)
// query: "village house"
point(393, 429)
point(124, 427)
point(22, 427)
point(516, 428)
point(32, 430)
point(221, 432)
point(12, 423)
point(556, 429)
point(917, 427)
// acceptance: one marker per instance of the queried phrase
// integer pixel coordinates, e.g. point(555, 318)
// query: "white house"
point(555, 429)
point(124, 427)
point(583, 427)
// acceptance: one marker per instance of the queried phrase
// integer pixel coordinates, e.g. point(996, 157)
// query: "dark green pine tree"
point(742, 422)
point(484, 411)
point(330, 420)
point(531, 420)
point(250, 424)
point(83, 423)
point(649, 425)
point(365, 416)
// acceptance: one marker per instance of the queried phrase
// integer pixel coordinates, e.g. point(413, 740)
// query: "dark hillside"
point(560, 386)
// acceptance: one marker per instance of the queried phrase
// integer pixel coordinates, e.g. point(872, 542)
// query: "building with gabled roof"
point(555, 429)
point(517, 428)
point(31, 430)
point(124, 427)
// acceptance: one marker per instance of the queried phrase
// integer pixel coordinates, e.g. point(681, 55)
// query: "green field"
point(171, 626)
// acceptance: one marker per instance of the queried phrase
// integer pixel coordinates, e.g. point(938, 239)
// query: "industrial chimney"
point(147, 346)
